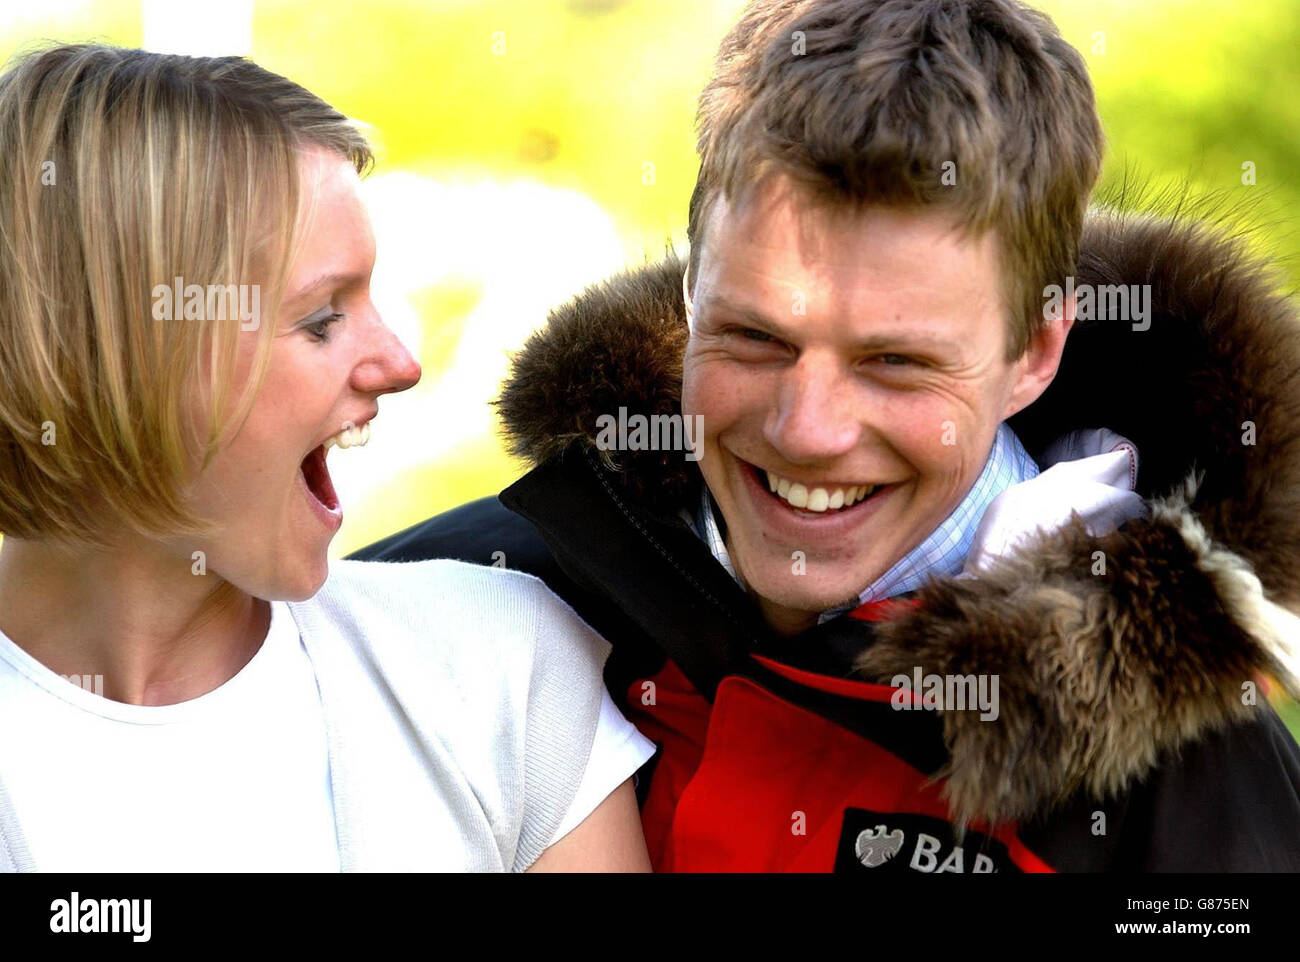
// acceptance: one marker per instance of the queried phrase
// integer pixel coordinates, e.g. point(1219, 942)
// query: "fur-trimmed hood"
point(1101, 674)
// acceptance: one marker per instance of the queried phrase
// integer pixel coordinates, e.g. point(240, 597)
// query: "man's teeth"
point(816, 499)
point(350, 437)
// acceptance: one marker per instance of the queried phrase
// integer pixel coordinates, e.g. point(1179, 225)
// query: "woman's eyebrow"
point(331, 279)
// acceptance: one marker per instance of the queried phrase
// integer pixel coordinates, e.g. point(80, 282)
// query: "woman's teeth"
point(816, 499)
point(350, 437)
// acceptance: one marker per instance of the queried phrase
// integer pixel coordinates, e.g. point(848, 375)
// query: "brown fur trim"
point(1223, 349)
point(618, 344)
point(1099, 674)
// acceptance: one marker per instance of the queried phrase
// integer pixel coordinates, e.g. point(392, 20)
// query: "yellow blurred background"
point(527, 148)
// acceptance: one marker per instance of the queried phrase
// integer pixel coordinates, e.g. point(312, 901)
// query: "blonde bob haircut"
point(121, 170)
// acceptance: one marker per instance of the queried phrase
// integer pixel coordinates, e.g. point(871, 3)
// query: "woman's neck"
point(156, 632)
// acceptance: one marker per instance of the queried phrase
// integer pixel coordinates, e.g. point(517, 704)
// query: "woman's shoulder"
point(447, 598)
point(489, 677)
point(437, 581)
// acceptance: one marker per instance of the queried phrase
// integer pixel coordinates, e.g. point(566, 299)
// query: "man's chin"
point(812, 599)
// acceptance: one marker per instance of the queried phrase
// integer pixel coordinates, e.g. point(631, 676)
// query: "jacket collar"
point(1112, 649)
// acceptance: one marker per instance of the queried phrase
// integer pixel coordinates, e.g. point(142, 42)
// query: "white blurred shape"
point(17, 14)
point(526, 246)
point(198, 28)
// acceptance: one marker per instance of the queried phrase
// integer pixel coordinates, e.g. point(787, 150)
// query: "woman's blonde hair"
point(120, 171)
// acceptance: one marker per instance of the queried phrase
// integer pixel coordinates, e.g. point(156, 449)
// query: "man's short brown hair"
point(978, 106)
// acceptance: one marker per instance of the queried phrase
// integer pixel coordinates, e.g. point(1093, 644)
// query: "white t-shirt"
point(235, 780)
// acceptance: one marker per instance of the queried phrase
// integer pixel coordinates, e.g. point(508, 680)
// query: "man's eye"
point(896, 360)
point(754, 344)
point(319, 329)
point(751, 335)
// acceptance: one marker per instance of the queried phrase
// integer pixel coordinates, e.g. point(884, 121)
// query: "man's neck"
point(786, 622)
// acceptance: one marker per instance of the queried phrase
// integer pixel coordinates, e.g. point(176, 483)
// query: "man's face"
point(856, 361)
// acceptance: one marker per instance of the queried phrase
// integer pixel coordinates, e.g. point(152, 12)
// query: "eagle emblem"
point(875, 846)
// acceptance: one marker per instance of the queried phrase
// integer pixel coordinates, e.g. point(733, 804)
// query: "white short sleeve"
point(616, 753)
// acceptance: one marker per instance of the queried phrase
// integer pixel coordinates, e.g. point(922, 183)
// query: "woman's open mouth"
point(315, 474)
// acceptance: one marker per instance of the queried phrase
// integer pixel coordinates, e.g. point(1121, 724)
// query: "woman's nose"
point(388, 366)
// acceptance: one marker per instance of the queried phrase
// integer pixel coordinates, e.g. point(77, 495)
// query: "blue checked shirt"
point(942, 553)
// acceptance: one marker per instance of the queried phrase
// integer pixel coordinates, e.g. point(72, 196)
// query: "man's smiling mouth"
point(813, 497)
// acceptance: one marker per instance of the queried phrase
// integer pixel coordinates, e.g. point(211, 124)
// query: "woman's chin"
point(295, 582)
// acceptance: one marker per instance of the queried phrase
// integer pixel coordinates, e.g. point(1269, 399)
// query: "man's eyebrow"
point(916, 340)
point(321, 281)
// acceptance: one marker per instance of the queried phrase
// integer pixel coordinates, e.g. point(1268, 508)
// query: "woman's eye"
point(319, 329)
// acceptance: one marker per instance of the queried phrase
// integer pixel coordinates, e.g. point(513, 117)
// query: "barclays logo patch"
point(876, 846)
point(907, 842)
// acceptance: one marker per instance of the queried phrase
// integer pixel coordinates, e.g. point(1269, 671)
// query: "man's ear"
point(1037, 367)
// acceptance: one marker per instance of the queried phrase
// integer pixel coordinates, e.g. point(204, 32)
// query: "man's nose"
point(387, 366)
point(814, 418)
